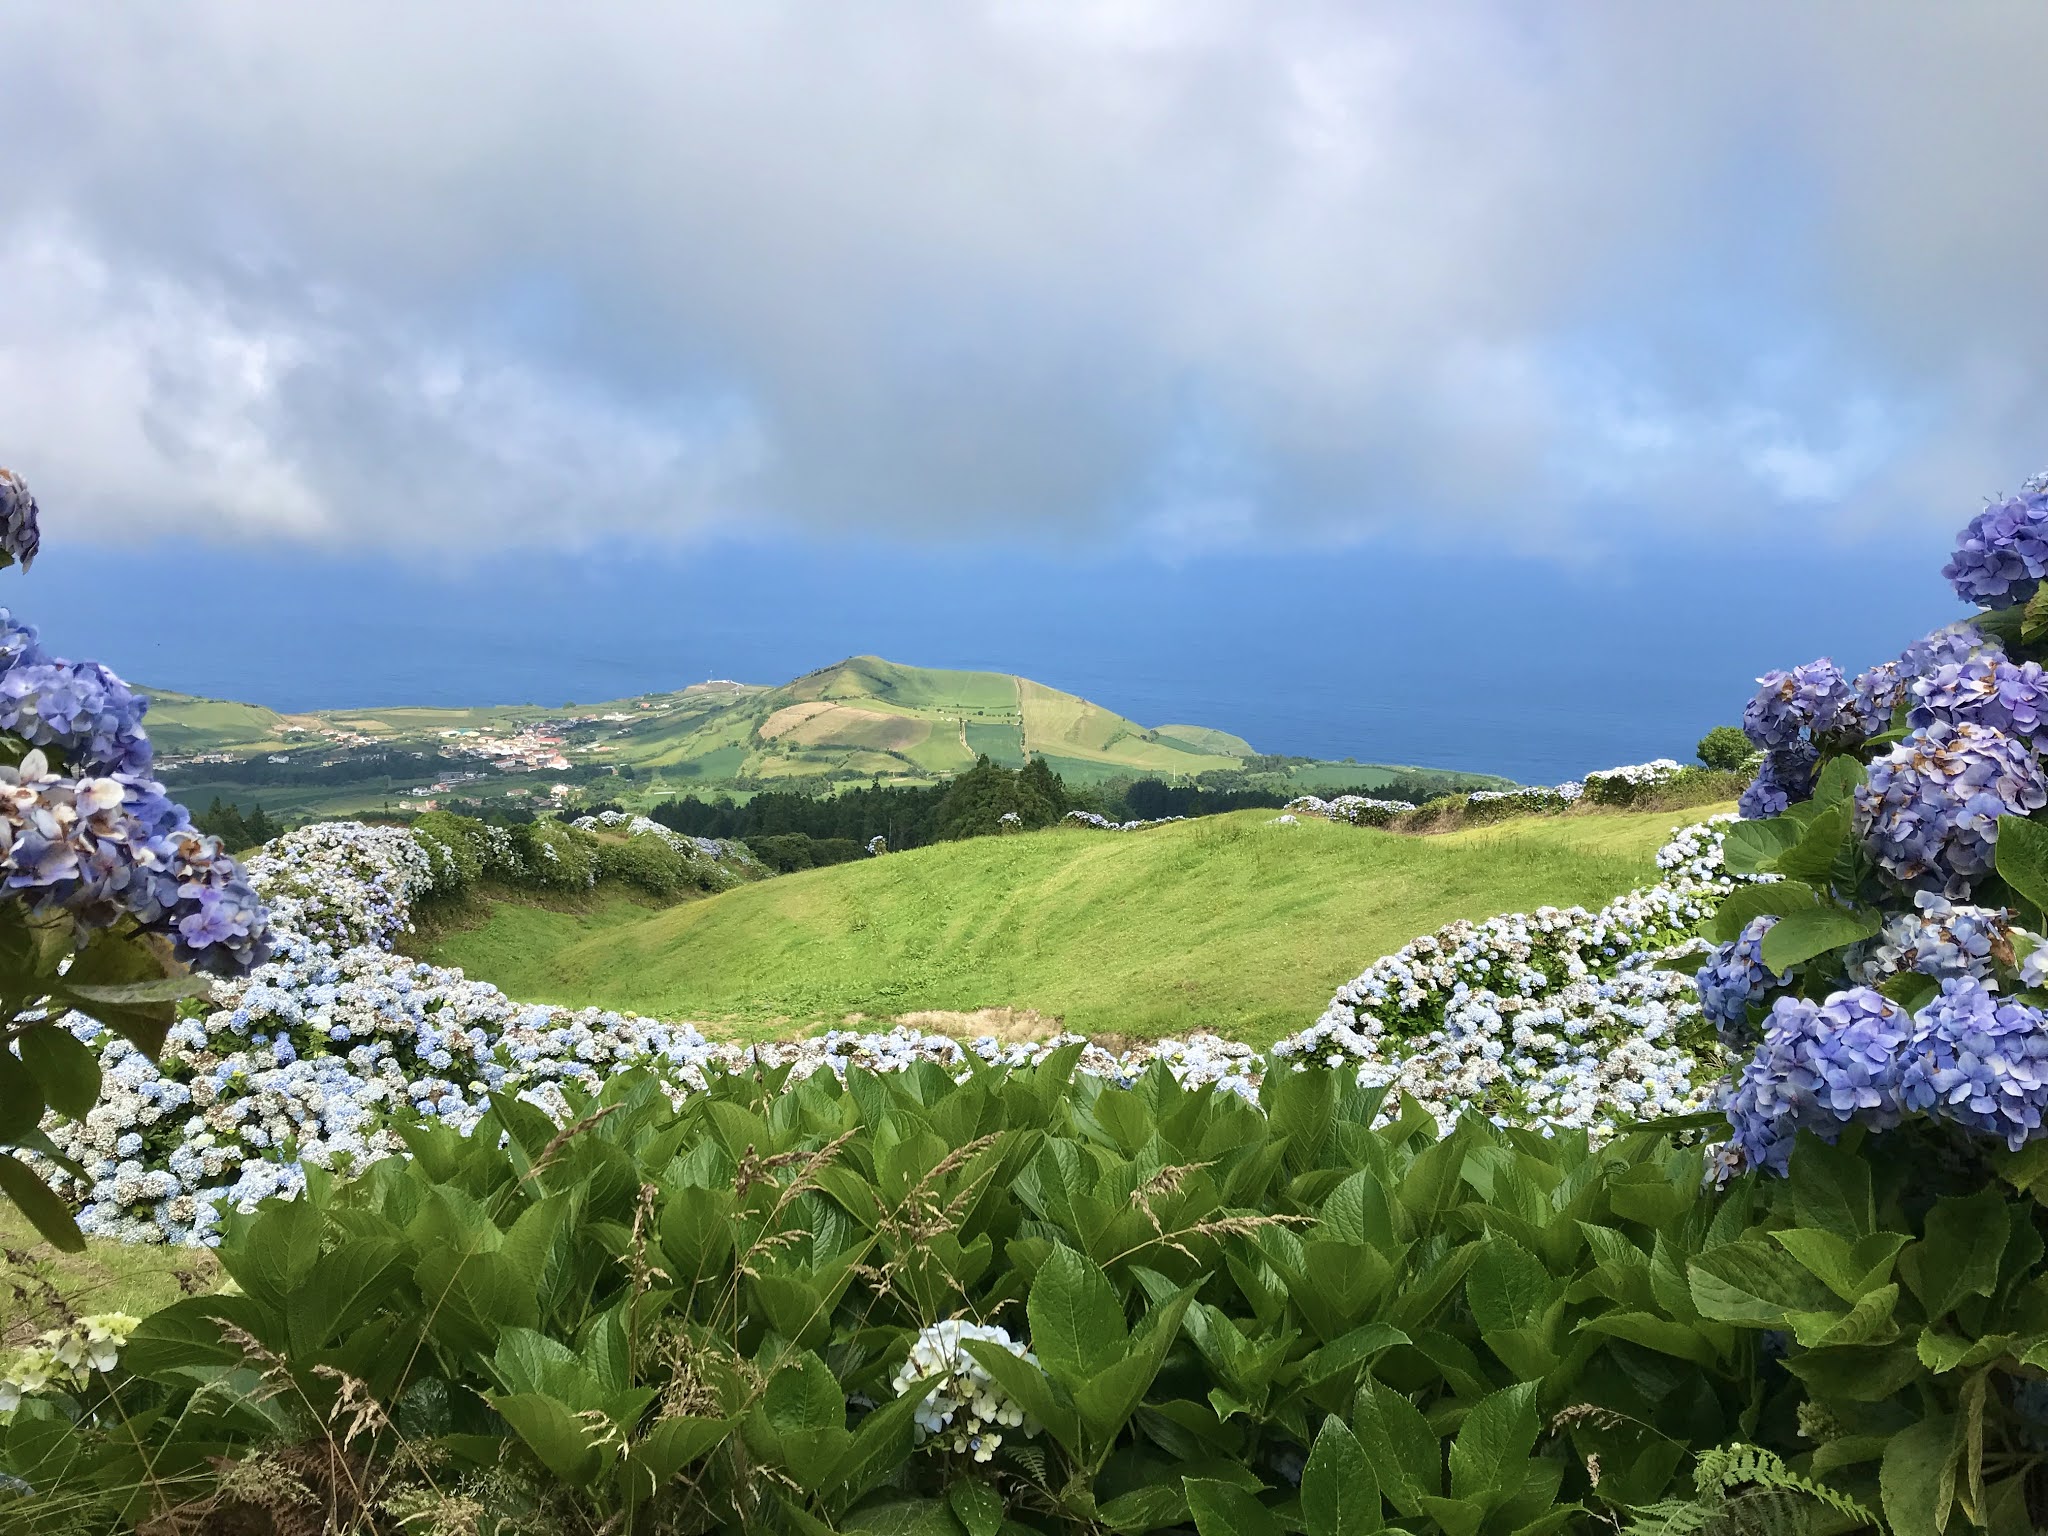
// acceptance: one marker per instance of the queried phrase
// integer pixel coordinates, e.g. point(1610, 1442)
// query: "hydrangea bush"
point(112, 903)
point(1891, 973)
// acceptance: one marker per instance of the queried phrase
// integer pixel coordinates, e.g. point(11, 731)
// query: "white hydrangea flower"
point(964, 1409)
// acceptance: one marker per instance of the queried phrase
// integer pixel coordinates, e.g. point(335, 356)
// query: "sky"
point(1489, 385)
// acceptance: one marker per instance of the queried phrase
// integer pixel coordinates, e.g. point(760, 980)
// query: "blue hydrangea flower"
point(1733, 979)
point(20, 536)
point(1813, 699)
point(2009, 696)
point(1784, 775)
point(1929, 813)
point(1820, 1067)
point(79, 708)
point(1979, 1061)
point(1873, 696)
point(2002, 555)
point(1950, 645)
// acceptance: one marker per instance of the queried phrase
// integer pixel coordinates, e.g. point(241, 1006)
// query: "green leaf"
point(903, 1517)
point(1918, 1477)
point(978, 1507)
point(1654, 1332)
point(2022, 857)
point(1966, 1236)
point(21, 1099)
point(1223, 1510)
point(1033, 1390)
point(1799, 936)
point(1830, 1186)
point(1339, 1494)
point(1838, 783)
point(1910, 990)
point(1494, 1440)
point(674, 1444)
point(1403, 1449)
point(1812, 858)
point(64, 1067)
point(110, 962)
point(1754, 1284)
point(2034, 616)
point(45, 1211)
point(1945, 1352)
point(1077, 1322)
point(1746, 903)
point(556, 1436)
point(1144, 1509)
point(1752, 847)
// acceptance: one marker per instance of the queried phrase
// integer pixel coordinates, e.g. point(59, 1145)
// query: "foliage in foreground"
point(1226, 1317)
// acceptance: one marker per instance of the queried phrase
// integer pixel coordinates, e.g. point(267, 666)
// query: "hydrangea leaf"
point(2034, 616)
point(40, 1204)
point(1339, 1494)
point(21, 1099)
point(1752, 847)
point(1918, 1477)
point(2023, 856)
point(1799, 936)
point(1812, 858)
point(64, 1067)
point(980, 1508)
point(1745, 904)
point(1223, 1510)
point(1966, 1236)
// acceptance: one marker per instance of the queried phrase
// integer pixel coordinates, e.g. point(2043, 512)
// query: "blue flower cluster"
point(1969, 1057)
point(20, 534)
point(1821, 1066)
point(1991, 690)
point(2003, 554)
point(1929, 813)
point(1981, 1061)
point(1734, 980)
point(1794, 715)
point(91, 834)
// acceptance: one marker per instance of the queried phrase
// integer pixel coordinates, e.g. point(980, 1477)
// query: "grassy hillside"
point(856, 720)
point(1227, 923)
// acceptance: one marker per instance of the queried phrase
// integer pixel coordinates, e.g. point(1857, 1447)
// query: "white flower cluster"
point(343, 882)
point(1359, 810)
point(963, 1409)
point(1102, 823)
point(1556, 1018)
point(878, 845)
point(1648, 775)
point(65, 1357)
point(1534, 797)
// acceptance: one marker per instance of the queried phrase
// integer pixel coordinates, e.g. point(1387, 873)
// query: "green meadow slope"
point(1228, 923)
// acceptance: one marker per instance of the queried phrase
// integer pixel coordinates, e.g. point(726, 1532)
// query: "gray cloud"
point(406, 276)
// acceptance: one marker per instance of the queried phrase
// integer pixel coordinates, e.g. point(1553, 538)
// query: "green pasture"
point(1227, 923)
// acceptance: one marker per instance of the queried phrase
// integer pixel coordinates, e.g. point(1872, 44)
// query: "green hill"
point(1229, 923)
point(859, 719)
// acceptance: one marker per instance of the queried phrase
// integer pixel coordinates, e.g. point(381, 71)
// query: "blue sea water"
point(1491, 663)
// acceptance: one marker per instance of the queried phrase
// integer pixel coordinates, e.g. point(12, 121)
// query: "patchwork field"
point(1228, 923)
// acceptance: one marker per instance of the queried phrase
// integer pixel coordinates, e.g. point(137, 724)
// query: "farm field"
point(852, 722)
point(1227, 923)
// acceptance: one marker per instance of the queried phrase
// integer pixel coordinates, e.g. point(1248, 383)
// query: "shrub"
point(1726, 748)
point(1212, 1313)
point(453, 851)
point(558, 857)
point(646, 863)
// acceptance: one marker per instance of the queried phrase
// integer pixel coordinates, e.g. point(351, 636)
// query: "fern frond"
point(1727, 1468)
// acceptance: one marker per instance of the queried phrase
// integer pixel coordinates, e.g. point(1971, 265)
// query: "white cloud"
point(1206, 270)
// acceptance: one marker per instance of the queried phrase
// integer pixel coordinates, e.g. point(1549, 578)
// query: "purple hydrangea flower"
point(20, 537)
point(1950, 645)
point(1811, 700)
point(1784, 776)
point(2009, 696)
point(1820, 1066)
point(101, 849)
point(1873, 696)
point(1939, 938)
point(2002, 555)
point(81, 709)
point(1733, 979)
point(1929, 813)
point(1980, 1061)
